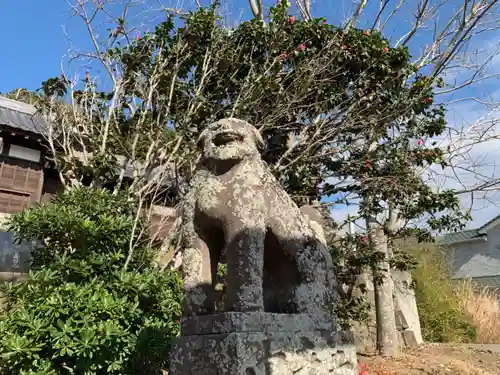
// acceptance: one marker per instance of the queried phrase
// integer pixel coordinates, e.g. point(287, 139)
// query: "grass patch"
point(443, 315)
point(482, 305)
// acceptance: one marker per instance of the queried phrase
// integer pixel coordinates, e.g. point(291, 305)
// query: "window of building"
point(24, 153)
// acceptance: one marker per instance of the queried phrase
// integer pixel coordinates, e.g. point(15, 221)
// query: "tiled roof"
point(466, 235)
point(21, 116)
point(495, 221)
point(469, 235)
point(164, 173)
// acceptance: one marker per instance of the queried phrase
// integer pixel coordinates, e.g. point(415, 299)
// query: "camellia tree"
point(332, 104)
point(340, 109)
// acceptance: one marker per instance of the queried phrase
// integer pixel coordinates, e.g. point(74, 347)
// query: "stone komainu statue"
point(276, 260)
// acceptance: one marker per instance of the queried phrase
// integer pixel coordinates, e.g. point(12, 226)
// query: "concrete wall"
point(406, 309)
point(488, 281)
point(407, 318)
point(478, 260)
point(14, 258)
point(5, 276)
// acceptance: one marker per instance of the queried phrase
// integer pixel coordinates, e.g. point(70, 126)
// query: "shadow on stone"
point(266, 343)
point(280, 282)
point(269, 335)
point(265, 272)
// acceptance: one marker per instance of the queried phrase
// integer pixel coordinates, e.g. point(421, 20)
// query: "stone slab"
point(406, 303)
point(259, 353)
point(401, 323)
point(254, 322)
point(401, 340)
point(410, 339)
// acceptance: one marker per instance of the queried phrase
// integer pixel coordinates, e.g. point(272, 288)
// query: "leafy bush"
point(442, 317)
point(81, 309)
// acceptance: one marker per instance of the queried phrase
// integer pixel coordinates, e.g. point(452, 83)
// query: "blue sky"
point(34, 34)
point(35, 52)
point(34, 39)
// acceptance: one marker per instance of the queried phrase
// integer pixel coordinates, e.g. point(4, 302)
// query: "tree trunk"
point(387, 334)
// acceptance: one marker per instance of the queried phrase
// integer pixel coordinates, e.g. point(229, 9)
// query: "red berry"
point(302, 47)
point(364, 239)
point(291, 19)
point(420, 142)
point(386, 49)
point(366, 33)
point(323, 22)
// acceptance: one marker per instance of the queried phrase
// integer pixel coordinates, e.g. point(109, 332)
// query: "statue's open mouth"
point(225, 137)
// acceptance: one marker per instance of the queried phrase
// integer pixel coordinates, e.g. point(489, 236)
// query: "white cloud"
point(340, 213)
point(476, 160)
point(473, 116)
point(475, 156)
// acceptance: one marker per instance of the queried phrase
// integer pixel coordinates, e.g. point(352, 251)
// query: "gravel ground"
point(439, 359)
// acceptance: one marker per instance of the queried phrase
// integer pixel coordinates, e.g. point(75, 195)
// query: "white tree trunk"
point(387, 334)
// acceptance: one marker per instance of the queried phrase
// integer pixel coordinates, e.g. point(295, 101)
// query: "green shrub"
point(81, 311)
point(441, 316)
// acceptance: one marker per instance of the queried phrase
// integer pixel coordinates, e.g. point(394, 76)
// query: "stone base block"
point(265, 352)
point(229, 322)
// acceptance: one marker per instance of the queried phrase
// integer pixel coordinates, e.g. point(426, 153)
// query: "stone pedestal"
point(262, 344)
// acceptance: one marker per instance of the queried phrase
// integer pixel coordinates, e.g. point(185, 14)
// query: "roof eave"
point(481, 238)
point(6, 128)
point(490, 225)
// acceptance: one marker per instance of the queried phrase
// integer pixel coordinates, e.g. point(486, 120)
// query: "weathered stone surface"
point(235, 208)
point(405, 301)
point(401, 323)
point(316, 221)
point(280, 284)
point(410, 339)
point(254, 322)
point(365, 337)
point(401, 340)
point(273, 352)
point(406, 313)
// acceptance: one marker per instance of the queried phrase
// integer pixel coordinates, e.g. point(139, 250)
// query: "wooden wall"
point(21, 184)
